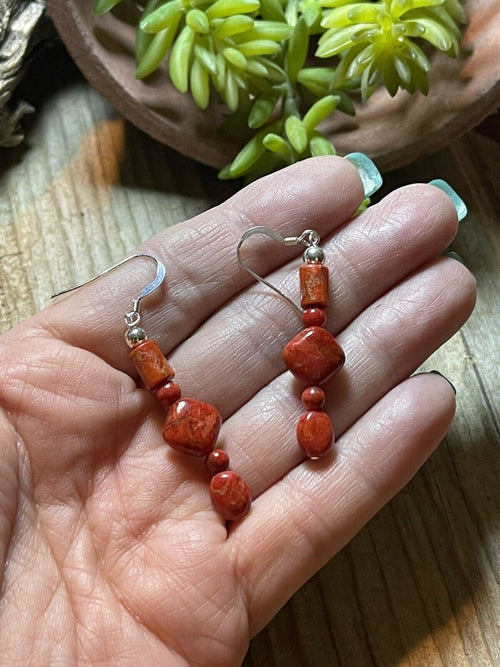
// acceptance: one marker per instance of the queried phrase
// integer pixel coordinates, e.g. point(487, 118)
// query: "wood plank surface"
point(419, 585)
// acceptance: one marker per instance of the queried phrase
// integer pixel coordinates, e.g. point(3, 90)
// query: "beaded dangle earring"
point(191, 426)
point(313, 355)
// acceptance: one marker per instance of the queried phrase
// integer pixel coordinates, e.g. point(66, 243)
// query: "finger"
point(9, 487)
point(307, 517)
point(239, 350)
point(383, 346)
point(202, 272)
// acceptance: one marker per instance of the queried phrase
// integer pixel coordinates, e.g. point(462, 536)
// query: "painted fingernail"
point(454, 255)
point(458, 202)
point(444, 376)
point(370, 175)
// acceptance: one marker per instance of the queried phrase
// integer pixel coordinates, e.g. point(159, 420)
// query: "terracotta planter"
point(394, 130)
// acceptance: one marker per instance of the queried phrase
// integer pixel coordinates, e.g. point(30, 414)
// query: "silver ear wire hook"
point(309, 238)
point(132, 318)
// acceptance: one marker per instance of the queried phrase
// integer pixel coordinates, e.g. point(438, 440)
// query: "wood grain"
point(419, 584)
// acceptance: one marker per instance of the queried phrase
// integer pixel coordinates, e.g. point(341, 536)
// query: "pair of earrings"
point(192, 426)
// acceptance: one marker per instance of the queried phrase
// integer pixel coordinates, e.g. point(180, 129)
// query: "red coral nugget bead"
point(192, 427)
point(230, 495)
point(313, 355)
point(315, 434)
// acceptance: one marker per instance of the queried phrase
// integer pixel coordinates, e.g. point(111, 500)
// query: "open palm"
point(110, 550)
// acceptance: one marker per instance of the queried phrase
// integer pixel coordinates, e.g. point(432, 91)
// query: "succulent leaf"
point(160, 18)
point(206, 57)
point(142, 39)
point(197, 21)
point(200, 84)
point(276, 144)
point(247, 156)
point(319, 111)
point(232, 25)
point(156, 51)
point(261, 110)
point(259, 47)
point(321, 145)
point(296, 133)
point(103, 6)
point(269, 30)
point(225, 8)
point(272, 10)
point(180, 59)
point(297, 49)
point(235, 57)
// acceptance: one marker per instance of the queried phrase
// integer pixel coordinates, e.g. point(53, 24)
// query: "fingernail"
point(444, 376)
point(458, 202)
point(454, 255)
point(370, 175)
point(458, 258)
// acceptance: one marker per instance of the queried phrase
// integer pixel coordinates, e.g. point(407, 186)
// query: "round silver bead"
point(135, 335)
point(313, 254)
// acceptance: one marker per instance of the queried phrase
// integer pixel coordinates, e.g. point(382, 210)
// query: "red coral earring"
point(313, 355)
point(191, 426)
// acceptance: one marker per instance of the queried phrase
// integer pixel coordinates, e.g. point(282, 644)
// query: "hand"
point(110, 549)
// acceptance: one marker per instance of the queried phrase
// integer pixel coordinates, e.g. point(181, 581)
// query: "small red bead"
point(313, 398)
point(217, 461)
point(230, 495)
point(314, 317)
point(315, 434)
point(168, 393)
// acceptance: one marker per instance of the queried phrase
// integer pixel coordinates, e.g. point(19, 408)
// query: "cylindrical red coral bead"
point(314, 285)
point(313, 398)
point(168, 393)
point(314, 317)
point(315, 434)
point(151, 364)
point(230, 495)
point(217, 461)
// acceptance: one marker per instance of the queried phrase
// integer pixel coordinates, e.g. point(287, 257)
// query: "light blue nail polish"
point(370, 175)
point(458, 202)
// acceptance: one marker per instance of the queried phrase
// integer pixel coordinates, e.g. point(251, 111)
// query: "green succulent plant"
point(376, 40)
point(256, 55)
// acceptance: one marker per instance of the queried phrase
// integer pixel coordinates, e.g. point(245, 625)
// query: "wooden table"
point(419, 584)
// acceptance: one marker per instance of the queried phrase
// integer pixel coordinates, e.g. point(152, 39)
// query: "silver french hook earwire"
point(133, 317)
point(309, 238)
